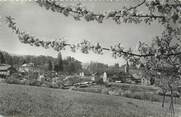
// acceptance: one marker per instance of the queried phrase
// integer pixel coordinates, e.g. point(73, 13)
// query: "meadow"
point(31, 101)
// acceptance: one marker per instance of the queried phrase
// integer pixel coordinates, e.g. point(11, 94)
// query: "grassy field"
point(149, 93)
point(27, 101)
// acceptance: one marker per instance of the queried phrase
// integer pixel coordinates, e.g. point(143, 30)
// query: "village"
point(110, 82)
point(124, 76)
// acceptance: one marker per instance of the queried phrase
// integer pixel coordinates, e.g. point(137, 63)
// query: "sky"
point(48, 25)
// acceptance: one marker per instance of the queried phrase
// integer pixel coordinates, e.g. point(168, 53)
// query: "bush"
point(91, 90)
point(99, 81)
point(141, 96)
point(12, 80)
point(71, 80)
point(26, 82)
point(107, 84)
point(35, 83)
point(32, 75)
point(54, 85)
point(105, 91)
point(58, 84)
point(46, 84)
point(127, 94)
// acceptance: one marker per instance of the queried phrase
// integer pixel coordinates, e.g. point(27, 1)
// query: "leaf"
point(76, 17)
point(100, 18)
point(111, 14)
point(67, 11)
point(89, 17)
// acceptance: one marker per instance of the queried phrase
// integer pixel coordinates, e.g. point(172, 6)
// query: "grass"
point(149, 93)
point(29, 101)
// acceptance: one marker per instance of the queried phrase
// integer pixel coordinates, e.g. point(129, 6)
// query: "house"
point(93, 77)
point(28, 67)
point(120, 76)
point(81, 74)
point(138, 74)
point(134, 74)
point(105, 79)
point(6, 70)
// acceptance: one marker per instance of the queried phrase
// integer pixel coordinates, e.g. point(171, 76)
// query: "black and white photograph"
point(90, 58)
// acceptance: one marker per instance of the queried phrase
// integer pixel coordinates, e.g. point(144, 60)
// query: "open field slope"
point(27, 101)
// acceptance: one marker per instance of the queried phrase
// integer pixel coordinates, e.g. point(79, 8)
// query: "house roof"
point(4, 66)
point(28, 65)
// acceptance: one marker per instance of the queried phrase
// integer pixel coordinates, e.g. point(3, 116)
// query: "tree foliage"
point(60, 62)
point(2, 60)
point(72, 65)
point(95, 67)
point(125, 15)
point(50, 66)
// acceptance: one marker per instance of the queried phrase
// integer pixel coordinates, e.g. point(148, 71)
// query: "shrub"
point(71, 80)
point(105, 91)
point(46, 84)
point(35, 83)
point(141, 96)
point(127, 94)
point(107, 84)
point(32, 75)
point(99, 81)
point(57, 84)
point(91, 90)
point(12, 80)
point(54, 85)
point(15, 78)
point(26, 82)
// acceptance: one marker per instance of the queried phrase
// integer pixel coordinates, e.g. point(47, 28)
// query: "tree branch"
point(84, 13)
point(138, 5)
point(59, 45)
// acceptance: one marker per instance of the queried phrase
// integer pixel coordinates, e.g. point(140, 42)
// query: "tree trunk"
point(171, 102)
point(163, 101)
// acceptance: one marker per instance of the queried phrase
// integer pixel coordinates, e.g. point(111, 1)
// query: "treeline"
point(45, 63)
point(96, 67)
